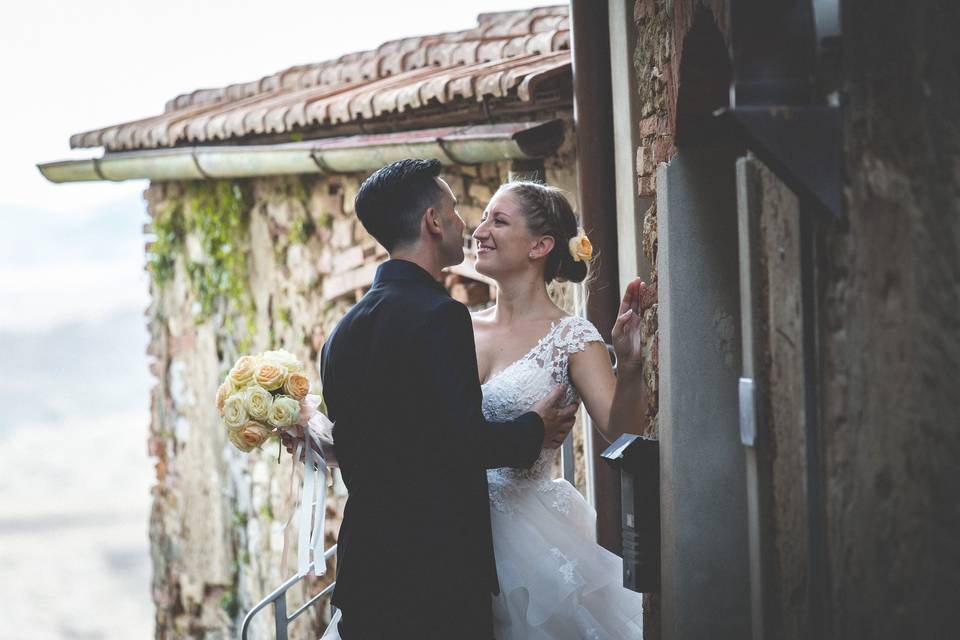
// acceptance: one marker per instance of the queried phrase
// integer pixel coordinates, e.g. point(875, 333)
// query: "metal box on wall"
point(638, 460)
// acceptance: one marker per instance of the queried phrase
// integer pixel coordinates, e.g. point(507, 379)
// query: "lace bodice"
point(514, 390)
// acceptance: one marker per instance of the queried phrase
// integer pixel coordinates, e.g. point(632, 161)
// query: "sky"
point(80, 65)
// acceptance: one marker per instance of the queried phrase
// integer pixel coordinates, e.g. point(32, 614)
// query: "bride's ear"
point(543, 247)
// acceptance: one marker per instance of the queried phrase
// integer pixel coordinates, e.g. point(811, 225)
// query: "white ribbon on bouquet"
point(312, 512)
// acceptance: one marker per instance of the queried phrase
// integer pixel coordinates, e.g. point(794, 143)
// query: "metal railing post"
point(279, 598)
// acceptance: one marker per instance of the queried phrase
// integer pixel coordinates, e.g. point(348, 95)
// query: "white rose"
point(270, 376)
point(284, 412)
point(242, 372)
point(257, 402)
point(284, 359)
point(222, 393)
point(234, 410)
point(248, 436)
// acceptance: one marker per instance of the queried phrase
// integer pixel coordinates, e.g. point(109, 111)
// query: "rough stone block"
point(342, 237)
point(480, 193)
point(648, 126)
point(645, 164)
point(351, 185)
point(646, 185)
point(663, 149)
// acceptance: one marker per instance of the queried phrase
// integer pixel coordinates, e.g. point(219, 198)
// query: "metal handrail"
point(279, 598)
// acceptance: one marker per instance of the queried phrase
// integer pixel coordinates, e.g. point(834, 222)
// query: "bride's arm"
point(616, 404)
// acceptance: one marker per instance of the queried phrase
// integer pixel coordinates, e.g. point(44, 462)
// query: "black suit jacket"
point(400, 383)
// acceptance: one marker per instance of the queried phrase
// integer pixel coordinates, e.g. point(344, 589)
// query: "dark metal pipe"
point(596, 190)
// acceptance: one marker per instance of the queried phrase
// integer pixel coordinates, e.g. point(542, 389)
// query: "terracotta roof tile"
point(508, 54)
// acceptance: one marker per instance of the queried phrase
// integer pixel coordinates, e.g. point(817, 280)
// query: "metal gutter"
point(449, 145)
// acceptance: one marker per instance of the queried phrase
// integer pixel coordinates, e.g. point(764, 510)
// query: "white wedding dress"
point(556, 582)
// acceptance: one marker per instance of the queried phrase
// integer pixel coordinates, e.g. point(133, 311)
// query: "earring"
point(531, 255)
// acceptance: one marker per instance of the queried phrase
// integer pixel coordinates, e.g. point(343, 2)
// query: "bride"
point(556, 582)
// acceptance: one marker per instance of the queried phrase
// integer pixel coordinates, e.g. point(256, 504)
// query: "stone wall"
point(240, 267)
point(891, 328)
point(888, 314)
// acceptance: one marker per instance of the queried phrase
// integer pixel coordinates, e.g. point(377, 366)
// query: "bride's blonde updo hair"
point(548, 213)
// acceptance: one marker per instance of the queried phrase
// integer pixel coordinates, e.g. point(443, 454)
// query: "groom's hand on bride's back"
point(557, 417)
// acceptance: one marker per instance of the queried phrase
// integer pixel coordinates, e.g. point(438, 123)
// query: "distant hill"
point(95, 367)
point(35, 236)
point(57, 267)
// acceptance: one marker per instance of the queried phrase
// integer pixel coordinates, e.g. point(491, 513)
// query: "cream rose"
point(234, 410)
point(257, 402)
point(297, 386)
point(270, 376)
point(242, 372)
point(283, 358)
point(225, 390)
point(248, 436)
point(580, 247)
point(284, 412)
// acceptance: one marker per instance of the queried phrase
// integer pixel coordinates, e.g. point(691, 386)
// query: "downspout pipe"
point(463, 145)
point(596, 192)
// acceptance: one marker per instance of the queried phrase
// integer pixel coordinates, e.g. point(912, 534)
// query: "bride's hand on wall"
point(627, 334)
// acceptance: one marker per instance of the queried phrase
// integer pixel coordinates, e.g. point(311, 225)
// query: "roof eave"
point(463, 145)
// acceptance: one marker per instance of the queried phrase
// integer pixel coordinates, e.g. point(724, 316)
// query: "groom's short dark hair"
point(392, 200)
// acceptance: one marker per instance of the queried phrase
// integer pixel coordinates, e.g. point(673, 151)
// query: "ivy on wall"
point(169, 230)
point(217, 214)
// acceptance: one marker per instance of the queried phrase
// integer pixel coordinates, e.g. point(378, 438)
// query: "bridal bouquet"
point(264, 395)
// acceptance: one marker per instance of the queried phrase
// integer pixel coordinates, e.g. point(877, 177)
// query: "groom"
point(415, 555)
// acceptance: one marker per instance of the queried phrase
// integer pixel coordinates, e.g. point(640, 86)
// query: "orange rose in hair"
point(580, 247)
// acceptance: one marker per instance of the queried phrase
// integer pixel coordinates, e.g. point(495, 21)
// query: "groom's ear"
point(432, 222)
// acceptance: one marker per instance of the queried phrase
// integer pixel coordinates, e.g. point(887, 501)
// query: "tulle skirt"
point(556, 582)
